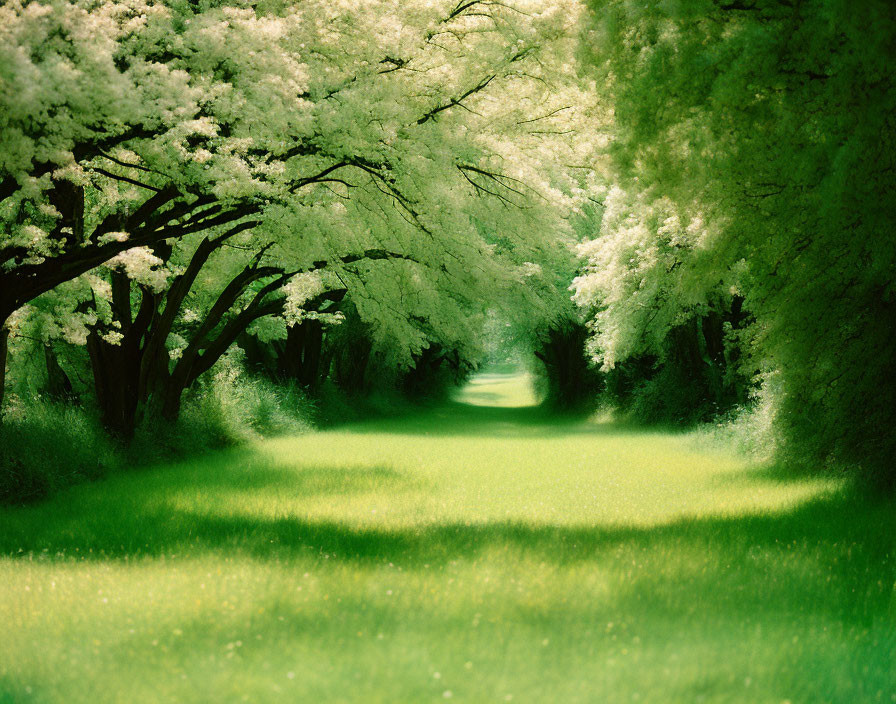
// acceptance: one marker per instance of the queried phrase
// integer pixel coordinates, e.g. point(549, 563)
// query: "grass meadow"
point(477, 552)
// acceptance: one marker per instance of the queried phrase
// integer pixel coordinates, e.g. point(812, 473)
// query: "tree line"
point(179, 178)
point(682, 209)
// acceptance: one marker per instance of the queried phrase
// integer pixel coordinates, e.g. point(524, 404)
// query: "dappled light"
point(466, 538)
point(496, 390)
point(410, 351)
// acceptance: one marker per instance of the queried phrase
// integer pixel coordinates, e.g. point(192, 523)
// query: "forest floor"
point(479, 551)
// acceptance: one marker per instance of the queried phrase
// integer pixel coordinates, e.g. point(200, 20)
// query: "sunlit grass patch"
point(472, 553)
point(497, 389)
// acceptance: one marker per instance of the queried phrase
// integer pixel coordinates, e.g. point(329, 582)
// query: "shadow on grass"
point(457, 419)
point(782, 473)
point(835, 554)
point(146, 516)
point(188, 510)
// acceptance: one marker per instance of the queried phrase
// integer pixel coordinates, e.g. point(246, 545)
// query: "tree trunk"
point(4, 348)
point(300, 360)
point(572, 384)
point(427, 378)
point(59, 386)
point(350, 364)
point(262, 358)
point(116, 373)
point(171, 401)
point(711, 338)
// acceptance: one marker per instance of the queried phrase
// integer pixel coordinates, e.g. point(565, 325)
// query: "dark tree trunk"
point(117, 368)
point(59, 386)
point(68, 199)
point(691, 372)
point(116, 373)
point(172, 398)
point(4, 349)
point(350, 363)
point(434, 372)
point(572, 385)
point(711, 340)
point(684, 349)
point(300, 359)
point(262, 357)
point(142, 371)
point(695, 379)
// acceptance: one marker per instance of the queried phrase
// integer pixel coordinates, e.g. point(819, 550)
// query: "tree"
point(135, 367)
point(753, 151)
point(327, 131)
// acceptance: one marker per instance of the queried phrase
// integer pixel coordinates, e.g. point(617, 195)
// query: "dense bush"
point(566, 380)
point(45, 445)
point(226, 410)
point(695, 377)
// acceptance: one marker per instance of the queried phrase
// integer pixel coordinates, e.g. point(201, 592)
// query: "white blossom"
point(299, 290)
point(142, 266)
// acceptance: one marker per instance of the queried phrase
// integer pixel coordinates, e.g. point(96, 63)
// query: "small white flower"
point(113, 237)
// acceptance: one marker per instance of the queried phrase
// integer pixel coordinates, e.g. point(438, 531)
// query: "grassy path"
point(479, 552)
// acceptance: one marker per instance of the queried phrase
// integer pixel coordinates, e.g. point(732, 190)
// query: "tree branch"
point(431, 115)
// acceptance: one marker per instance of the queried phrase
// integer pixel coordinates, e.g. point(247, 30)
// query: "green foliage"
point(695, 377)
point(664, 395)
point(754, 148)
point(566, 379)
point(436, 373)
point(228, 163)
point(229, 409)
point(45, 445)
point(243, 409)
point(750, 430)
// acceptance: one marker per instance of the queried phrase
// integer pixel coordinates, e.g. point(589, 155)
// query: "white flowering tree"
point(151, 138)
point(148, 354)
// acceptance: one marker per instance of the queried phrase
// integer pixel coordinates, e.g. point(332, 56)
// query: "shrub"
point(45, 445)
point(227, 409)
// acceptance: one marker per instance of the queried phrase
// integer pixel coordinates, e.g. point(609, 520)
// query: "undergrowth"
point(46, 445)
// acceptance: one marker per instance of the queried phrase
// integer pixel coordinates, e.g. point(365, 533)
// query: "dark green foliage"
point(302, 358)
point(777, 122)
point(45, 446)
point(435, 373)
point(696, 379)
point(358, 369)
point(225, 411)
point(350, 348)
point(570, 383)
point(59, 386)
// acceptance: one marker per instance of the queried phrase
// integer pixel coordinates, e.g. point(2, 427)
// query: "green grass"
point(479, 553)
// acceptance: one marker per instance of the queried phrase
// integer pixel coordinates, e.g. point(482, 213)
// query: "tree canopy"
point(246, 158)
point(753, 157)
